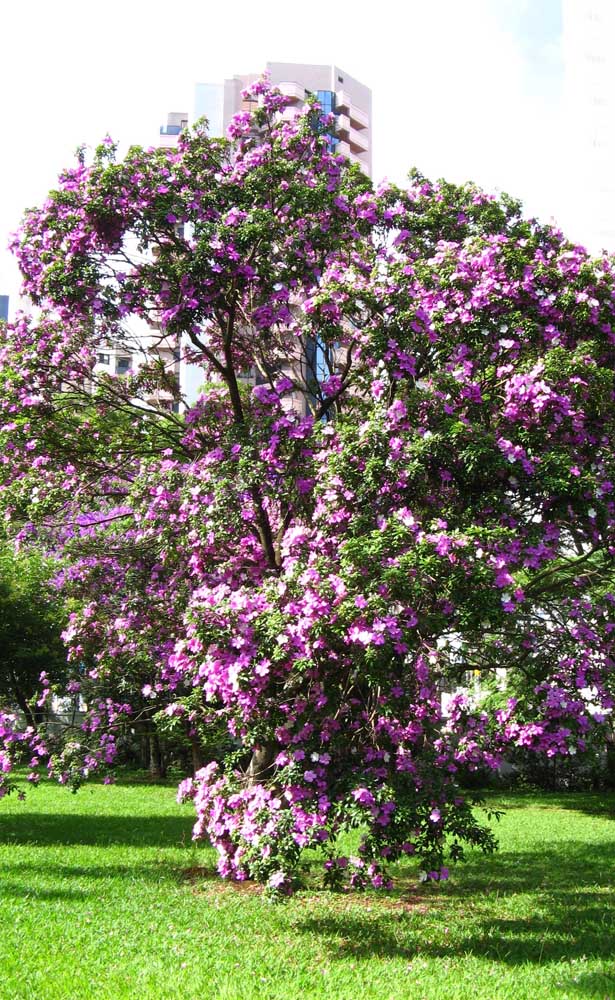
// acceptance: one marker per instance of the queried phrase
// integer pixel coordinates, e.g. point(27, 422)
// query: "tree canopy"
point(399, 470)
point(30, 627)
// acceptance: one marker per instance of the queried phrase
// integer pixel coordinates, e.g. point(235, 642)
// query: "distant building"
point(141, 343)
point(169, 133)
point(144, 341)
point(338, 92)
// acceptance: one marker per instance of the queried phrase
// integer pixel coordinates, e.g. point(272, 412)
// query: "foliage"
point(31, 619)
point(31, 651)
point(419, 485)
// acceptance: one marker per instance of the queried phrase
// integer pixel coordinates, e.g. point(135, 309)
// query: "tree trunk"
point(157, 767)
point(261, 763)
point(22, 701)
point(144, 755)
point(610, 761)
point(197, 756)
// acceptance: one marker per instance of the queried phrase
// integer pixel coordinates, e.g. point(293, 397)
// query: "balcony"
point(345, 149)
point(343, 125)
point(292, 90)
point(358, 142)
point(358, 118)
point(343, 104)
point(342, 100)
point(159, 343)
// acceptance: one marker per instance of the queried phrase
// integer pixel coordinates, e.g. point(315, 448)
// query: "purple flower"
point(277, 880)
point(363, 796)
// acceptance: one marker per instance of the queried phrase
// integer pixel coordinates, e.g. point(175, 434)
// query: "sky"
point(462, 89)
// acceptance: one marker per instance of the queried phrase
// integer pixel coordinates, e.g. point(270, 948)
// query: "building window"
point(315, 365)
point(122, 365)
point(103, 359)
point(326, 99)
point(340, 79)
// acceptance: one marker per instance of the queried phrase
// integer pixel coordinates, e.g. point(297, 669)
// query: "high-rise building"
point(144, 342)
point(176, 121)
point(338, 92)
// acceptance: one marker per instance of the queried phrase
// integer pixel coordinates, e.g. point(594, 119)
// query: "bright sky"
point(465, 89)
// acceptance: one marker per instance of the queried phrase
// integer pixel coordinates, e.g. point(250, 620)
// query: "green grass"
point(95, 903)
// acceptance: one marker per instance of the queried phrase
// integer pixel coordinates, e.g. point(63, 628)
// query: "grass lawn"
point(95, 903)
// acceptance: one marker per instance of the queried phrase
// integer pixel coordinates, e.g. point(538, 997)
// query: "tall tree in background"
point(31, 620)
point(419, 485)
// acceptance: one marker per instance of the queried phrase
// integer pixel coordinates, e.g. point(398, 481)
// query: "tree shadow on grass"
point(142, 779)
point(568, 866)
point(600, 804)
point(31, 871)
point(594, 984)
point(565, 896)
point(46, 829)
point(35, 894)
point(49, 882)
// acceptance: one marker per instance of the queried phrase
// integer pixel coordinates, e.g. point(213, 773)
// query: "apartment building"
point(338, 93)
point(336, 90)
point(141, 344)
point(144, 341)
point(176, 121)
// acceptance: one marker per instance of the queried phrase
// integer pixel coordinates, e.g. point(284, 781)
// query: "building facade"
point(176, 121)
point(338, 92)
point(146, 342)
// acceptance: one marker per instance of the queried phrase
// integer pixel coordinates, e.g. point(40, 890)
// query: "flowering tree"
point(419, 484)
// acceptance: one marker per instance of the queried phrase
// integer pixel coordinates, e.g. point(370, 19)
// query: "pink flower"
point(363, 796)
point(277, 880)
